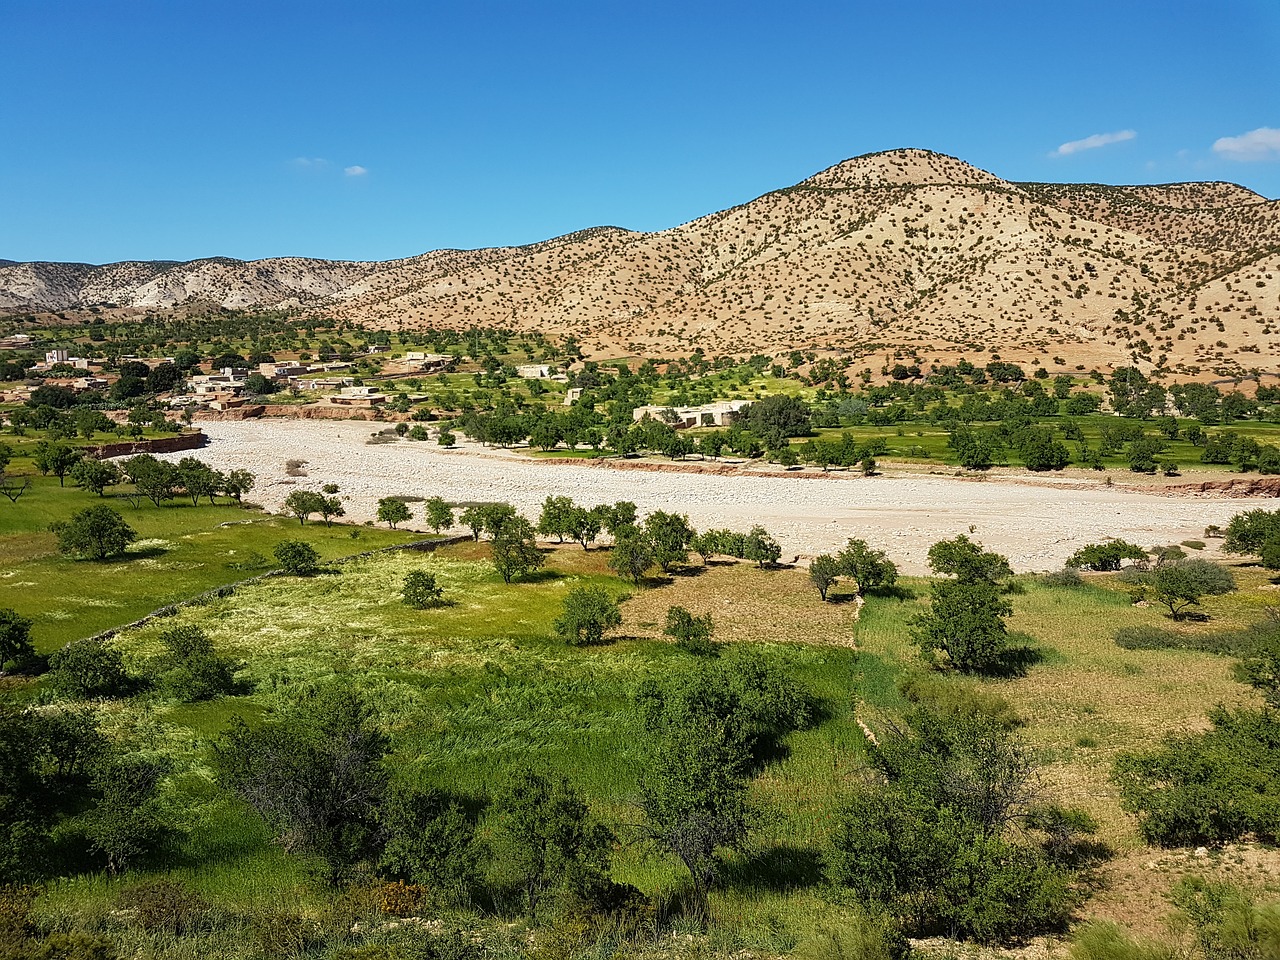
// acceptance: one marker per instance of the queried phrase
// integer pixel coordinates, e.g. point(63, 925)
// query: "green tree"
point(693, 789)
point(439, 514)
point(128, 820)
point(198, 479)
point(870, 569)
point(331, 507)
point(1185, 583)
point(393, 510)
point(1105, 556)
point(56, 458)
point(556, 518)
point(315, 775)
point(297, 557)
point(759, 547)
point(88, 668)
point(153, 478)
point(237, 483)
point(545, 839)
point(669, 536)
point(587, 613)
point(584, 525)
point(303, 503)
point(967, 561)
point(428, 839)
point(824, 571)
point(192, 670)
point(631, 555)
point(420, 590)
point(515, 553)
point(97, 532)
point(15, 639)
point(94, 475)
point(691, 634)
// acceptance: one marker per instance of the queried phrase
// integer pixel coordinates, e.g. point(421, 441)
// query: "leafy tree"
point(760, 547)
point(97, 532)
point(693, 788)
point(428, 839)
point(297, 557)
point(669, 535)
point(588, 612)
point(393, 510)
point(127, 821)
point(315, 774)
point(237, 483)
point(192, 670)
point(1183, 584)
point(55, 458)
point(15, 639)
point(439, 514)
point(1253, 531)
point(1211, 787)
point(473, 517)
point(198, 479)
point(94, 475)
point(1105, 556)
point(584, 525)
point(515, 553)
point(967, 561)
point(824, 570)
point(556, 518)
point(942, 835)
point(631, 555)
point(154, 479)
point(870, 569)
point(303, 503)
point(691, 634)
point(88, 668)
point(545, 838)
point(618, 515)
point(331, 507)
point(420, 590)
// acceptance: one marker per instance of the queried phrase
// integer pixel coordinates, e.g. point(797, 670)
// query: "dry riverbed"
point(1036, 526)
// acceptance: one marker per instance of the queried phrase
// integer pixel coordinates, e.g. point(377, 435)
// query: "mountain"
point(902, 251)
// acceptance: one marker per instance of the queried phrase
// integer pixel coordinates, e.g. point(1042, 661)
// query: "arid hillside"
point(905, 251)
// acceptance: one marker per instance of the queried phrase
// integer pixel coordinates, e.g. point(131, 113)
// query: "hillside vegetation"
point(906, 249)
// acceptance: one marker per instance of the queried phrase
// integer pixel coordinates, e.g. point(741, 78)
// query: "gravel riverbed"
point(1036, 526)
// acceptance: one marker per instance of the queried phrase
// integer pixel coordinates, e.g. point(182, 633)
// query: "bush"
point(97, 533)
point(1106, 556)
point(691, 634)
point(864, 936)
point(193, 671)
point(588, 612)
point(297, 557)
point(1067, 578)
point(421, 591)
point(88, 668)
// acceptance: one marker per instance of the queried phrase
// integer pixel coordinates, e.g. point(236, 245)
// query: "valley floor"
point(1036, 525)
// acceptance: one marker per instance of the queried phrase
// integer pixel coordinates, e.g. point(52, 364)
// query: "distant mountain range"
point(907, 251)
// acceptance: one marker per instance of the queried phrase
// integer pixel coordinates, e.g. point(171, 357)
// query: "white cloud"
point(1093, 142)
point(356, 171)
point(310, 163)
point(1260, 144)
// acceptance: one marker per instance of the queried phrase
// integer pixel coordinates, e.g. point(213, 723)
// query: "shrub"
point(1068, 577)
point(588, 612)
point(297, 557)
point(97, 533)
point(193, 671)
point(691, 634)
point(421, 591)
point(1106, 556)
point(88, 668)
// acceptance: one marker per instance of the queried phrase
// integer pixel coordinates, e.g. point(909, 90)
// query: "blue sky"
point(140, 129)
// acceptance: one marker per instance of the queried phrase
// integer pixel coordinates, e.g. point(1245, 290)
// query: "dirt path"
point(1037, 527)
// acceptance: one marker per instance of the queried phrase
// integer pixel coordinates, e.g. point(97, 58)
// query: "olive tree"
point(588, 612)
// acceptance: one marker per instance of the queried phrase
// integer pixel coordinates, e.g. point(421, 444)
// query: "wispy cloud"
point(1093, 142)
point(310, 163)
point(1260, 144)
point(355, 171)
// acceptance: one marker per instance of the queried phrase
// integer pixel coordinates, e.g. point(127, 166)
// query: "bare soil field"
point(1036, 525)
